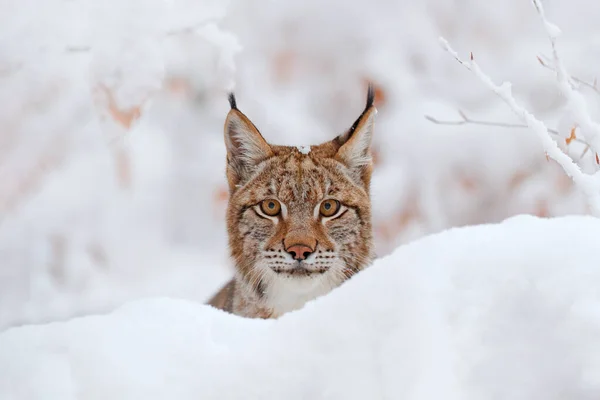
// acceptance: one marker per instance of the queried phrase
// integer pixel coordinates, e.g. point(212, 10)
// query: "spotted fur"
point(271, 278)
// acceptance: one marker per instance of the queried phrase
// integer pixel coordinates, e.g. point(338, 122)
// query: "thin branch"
point(583, 153)
point(589, 184)
point(576, 102)
point(78, 49)
point(468, 121)
point(188, 30)
point(545, 62)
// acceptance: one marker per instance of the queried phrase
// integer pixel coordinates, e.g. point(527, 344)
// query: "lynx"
point(298, 218)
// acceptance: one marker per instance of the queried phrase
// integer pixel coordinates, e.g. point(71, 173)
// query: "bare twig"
point(545, 62)
point(576, 102)
point(78, 49)
point(469, 121)
point(191, 29)
point(583, 153)
point(589, 184)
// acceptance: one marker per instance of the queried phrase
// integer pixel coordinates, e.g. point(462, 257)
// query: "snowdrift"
point(494, 311)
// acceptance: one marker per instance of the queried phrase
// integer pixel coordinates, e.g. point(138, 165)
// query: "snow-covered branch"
point(589, 184)
point(576, 102)
point(575, 81)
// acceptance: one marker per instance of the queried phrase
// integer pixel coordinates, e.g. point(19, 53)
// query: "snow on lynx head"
point(298, 218)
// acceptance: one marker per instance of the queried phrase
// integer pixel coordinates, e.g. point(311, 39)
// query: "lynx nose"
point(299, 251)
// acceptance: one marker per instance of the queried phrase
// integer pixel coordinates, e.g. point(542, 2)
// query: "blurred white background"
point(112, 179)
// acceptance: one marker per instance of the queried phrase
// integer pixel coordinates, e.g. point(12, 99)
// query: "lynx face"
point(298, 219)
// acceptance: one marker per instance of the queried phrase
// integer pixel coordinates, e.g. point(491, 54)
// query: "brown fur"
point(269, 279)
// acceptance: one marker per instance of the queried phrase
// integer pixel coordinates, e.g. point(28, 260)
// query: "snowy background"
point(112, 180)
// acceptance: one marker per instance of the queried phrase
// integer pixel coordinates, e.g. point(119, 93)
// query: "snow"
point(507, 310)
point(112, 184)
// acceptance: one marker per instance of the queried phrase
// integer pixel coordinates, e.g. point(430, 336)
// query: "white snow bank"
point(495, 311)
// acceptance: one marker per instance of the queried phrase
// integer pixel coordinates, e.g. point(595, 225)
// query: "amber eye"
point(329, 207)
point(271, 207)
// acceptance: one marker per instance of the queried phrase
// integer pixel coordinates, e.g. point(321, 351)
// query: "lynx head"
point(298, 219)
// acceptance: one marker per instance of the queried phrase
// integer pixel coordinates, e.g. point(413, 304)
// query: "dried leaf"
point(547, 157)
point(597, 159)
point(125, 118)
point(572, 136)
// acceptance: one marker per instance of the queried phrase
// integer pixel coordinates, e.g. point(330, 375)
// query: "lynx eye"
point(271, 207)
point(329, 207)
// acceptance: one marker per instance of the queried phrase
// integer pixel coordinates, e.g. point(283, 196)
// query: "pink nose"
point(299, 251)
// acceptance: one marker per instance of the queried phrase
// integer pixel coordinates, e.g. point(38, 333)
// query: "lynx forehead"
point(298, 218)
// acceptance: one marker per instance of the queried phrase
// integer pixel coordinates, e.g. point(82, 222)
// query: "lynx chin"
point(298, 218)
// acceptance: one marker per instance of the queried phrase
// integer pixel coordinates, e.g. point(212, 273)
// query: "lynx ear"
point(355, 144)
point(246, 147)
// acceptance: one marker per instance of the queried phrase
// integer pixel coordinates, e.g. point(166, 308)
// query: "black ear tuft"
point(232, 102)
point(370, 96)
point(370, 101)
